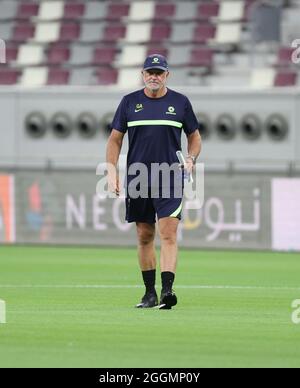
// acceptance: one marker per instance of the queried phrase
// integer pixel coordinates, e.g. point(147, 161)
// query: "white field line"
point(118, 286)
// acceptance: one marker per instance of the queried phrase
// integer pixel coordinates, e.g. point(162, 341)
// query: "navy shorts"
point(145, 209)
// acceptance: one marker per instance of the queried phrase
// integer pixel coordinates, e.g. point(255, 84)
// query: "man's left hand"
point(189, 166)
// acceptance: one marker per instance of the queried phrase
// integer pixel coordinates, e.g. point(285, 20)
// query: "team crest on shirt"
point(171, 111)
point(138, 108)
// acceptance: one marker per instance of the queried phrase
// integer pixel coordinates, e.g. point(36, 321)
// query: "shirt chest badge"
point(171, 111)
point(138, 108)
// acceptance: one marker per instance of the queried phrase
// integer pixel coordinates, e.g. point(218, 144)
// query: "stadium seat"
point(182, 33)
point(69, 32)
point(231, 11)
point(11, 53)
point(91, 32)
point(58, 54)
point(248, 9)
point(138, 33)
point(164, 11)
point(116, 11)
point(87, 33)
point(81, 76)
point(185, 11)
point(179, 55)
point(132, 56)
point(228, 33)
point(204, 32)
point(178, 77)
point(30, 55)
point(58, 76)
point(74, 10)
point(8, 10)
point(103, 56)
point(141, 10)
point(6, 30)
point(9, 76)
point(129, 78)
point(106, 76)
point(208, 10)
point(157, 50)
point(286, 78)
point(202, 57)
point(34, 77)
point(27, 10)
point(23, 31)
point(262, 78)
point(160, 32)
point(95, 10)
point(284, 56)
point(81, 55)
point(51, 10)
point(47, 32)
point(114, 32)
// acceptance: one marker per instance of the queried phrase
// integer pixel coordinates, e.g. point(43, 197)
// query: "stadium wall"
point(268, 139)
point(48, 182)
point(242, 211)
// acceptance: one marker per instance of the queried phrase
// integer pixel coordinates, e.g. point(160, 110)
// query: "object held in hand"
point(183, 163)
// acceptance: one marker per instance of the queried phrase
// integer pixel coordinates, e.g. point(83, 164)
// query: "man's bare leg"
point(147, 261)
point(168, 259)
point(168, 235)
point(146, 248)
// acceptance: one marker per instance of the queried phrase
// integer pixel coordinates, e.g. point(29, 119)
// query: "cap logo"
point(155, 60)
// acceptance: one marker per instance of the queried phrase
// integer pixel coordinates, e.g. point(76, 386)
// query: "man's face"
point(155, 79)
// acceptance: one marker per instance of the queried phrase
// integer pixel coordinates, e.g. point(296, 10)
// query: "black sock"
point(149, 280)
point(167, 280)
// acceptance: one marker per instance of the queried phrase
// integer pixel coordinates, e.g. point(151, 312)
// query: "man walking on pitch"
point(154, 118)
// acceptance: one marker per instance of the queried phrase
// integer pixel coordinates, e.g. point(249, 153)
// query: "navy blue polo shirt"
point(154, 125)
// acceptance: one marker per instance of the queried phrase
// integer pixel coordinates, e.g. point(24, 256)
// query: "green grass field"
point(72, 307)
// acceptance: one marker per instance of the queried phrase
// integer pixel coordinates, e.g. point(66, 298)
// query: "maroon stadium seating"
point(103, 55)
point(58, 76)
point(9, 76)
point(284, 56)
point(285, 78)
point(23, 31)
point(203, 32)
point(157, 50)
point(58, 54)
point(106, 76)
point(69, 32)
point(160, 32)
point(11, 53)
point(27, 10)
point(164, 10)
point(202, 57)
point(116, 11)
point(248, 8)
point(207, 10)
point(74, 10)
point(198, 29)
point(114, 32)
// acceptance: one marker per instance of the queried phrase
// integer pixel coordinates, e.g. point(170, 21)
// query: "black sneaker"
point(148, 300)
point(168, 299)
